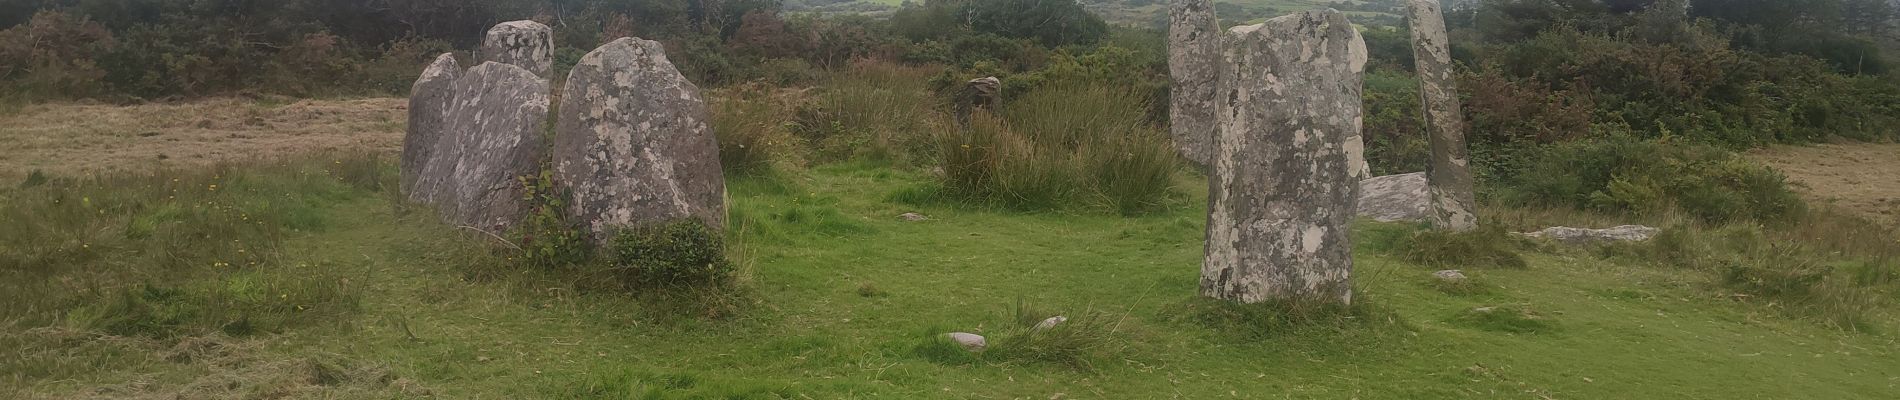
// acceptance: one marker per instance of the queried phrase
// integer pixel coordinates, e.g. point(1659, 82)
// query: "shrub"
point(1647, 177)
point(546, 239)
point(679, 254)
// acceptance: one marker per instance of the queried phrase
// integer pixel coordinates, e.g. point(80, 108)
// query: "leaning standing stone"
point(429, 100)
point(633, 145)
point(1286, 177)
point(1453, 203)
point(497, 121)
point(526, 44)
point(1193, 66)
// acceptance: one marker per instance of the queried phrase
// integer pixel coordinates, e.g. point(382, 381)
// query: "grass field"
point(844, 300)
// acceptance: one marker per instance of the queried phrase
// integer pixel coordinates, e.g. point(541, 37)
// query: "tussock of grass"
point(1486, 247)
point(1309, 318)
point(753, 127)
point(1080, 342)
point(1062, 147)
point(873, 111)
point(1509, 318)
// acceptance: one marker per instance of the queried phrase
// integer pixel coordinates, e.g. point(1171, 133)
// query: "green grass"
point(814, 243)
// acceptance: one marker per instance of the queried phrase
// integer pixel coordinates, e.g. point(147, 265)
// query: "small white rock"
point(1051, 322)
point(913, 217)
point(970, 341)
point(1450, 275)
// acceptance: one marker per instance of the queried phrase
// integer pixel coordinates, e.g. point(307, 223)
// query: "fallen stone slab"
point(1569, 235)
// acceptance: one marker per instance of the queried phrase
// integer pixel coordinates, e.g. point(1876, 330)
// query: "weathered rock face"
point(1287, 161)
point(983, 93)
point(494, 137)
point(1453, 205)
point(1194, 58)
point(632, 143)
point(526, 44)
point(429, 101)
point(1394, 198)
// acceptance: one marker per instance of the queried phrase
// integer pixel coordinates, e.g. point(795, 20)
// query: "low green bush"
point(1653, 177)
point(679, 254)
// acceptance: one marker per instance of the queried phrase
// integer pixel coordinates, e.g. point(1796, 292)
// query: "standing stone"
point(526, 44)
point(1287, 161)
point(495, 137)
point(1394, 198)
point(1193, 65)
point(985, 93)
point(1453, 203)
point(633, 145)
point(429, 100)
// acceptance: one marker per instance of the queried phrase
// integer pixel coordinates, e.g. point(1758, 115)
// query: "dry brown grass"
point(73, 139)
point(1863, 178)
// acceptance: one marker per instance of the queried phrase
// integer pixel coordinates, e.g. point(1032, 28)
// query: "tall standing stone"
point(526, 44)
point(632, 144)
point(1452, 201)
point(429, 101)
point(495, 137)
point(1193, 65)
point(1287, 161)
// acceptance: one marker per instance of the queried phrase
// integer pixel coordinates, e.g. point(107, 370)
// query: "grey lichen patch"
point(1287, 160)
point(633, 146)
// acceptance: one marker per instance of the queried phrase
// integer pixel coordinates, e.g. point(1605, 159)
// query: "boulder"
point(1450, 276)
point(429, 100)
point(493, 138)
point(1287, 161)
point(527, 44)
point(1050, 323)
point(1395, 198)
point(632, 144)
point(969, 341)
point(1569, 235)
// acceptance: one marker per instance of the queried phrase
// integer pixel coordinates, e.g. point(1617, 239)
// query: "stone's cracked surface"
point(429, 101)
point(492, 136)
point(1194, 60)
point(1395, 198)
point(526, 44)
point(1287, 161)
point(1453, 204)
point(632, 144)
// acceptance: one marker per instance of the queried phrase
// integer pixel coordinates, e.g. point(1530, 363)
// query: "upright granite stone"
point(1193, 65)
point(1453, 203)
point(429, 101)
point(495, 137)
point(526, 44)
point(1287, 161)
point(632, 143)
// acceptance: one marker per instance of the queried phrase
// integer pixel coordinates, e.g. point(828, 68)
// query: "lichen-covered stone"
point(1453, 205)
point(1193, 66)
point(1287, 161)
point(429, 101)
point(526, 44)
point(1394, 198)
point(494, 137)
point(632, 144)
point(1578, 236)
